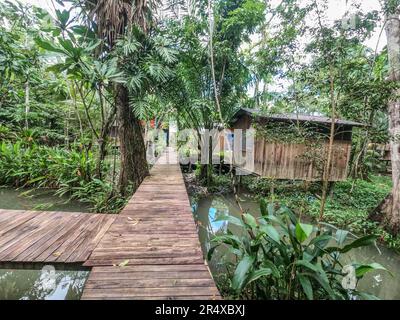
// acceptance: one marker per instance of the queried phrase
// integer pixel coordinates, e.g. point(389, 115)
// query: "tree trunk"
point(27, 104)
point(328, 165)
point(103, 141)
point(134, 166)
point(390, 207)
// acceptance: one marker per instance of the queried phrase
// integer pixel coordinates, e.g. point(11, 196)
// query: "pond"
point(46, 282)
point(38, 199)
point(379, 283)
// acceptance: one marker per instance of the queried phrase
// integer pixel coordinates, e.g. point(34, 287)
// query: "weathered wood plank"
point(33, 236)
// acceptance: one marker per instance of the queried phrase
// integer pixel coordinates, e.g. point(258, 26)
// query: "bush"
point(348, 207)
point(278, 257)
point(71, 172)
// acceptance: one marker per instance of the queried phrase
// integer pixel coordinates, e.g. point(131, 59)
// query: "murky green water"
point(379, 283)
point(45, 283)
point(39, 199)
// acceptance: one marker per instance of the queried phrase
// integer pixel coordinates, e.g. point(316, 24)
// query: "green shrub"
point(278, 257)
point(71, 172)
point(348, 207)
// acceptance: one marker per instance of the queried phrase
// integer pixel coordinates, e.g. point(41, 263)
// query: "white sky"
point(336, 10)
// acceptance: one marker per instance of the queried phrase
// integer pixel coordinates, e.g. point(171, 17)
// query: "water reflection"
point(38, 199)
point(41, 284)
point(206, 210)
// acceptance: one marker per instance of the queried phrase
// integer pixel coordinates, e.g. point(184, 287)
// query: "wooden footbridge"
point(150, 250)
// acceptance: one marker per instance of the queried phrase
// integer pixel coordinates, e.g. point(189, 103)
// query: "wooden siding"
point(289, 161)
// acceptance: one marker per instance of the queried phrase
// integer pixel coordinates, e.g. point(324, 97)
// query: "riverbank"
point(209, 208)
point(348, 205)
point(347, 208)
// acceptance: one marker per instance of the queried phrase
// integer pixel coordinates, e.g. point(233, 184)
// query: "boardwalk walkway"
point(152, 250)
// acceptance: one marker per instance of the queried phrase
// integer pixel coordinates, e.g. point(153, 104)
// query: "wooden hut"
point(296, 159)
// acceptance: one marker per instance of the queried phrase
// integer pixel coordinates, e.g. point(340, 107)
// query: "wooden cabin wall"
point(243, 122)
point(287, 161)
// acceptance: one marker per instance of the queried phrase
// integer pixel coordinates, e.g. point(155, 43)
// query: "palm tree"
point(113, 19)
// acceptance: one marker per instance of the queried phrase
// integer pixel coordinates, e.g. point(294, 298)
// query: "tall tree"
point(391, 206)
point(114, 18)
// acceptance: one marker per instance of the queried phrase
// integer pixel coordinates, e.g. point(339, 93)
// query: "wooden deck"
point(152, 250)
point(56, 237)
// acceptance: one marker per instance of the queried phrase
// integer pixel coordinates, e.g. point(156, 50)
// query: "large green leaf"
point(308, 265)
point(227, 239)
point(341, 236)
point(360, 242)
point(63, 17)
point(259, 273)
point(303, 231)
point(321, 241)
point(230, 219)
point(241, 272)
point(48, 46)
point(323, 281)
point(250, 220)
point(270, 265)
point(69, 47)
point(306, 285)
point(362, 269)
point(271, 232)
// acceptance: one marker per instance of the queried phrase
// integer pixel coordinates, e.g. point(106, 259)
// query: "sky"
point(336, 10)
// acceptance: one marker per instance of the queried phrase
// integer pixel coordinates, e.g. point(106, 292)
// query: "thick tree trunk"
point(134, 166)
point(390, 207)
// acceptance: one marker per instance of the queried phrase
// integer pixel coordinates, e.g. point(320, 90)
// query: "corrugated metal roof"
point(296, 117)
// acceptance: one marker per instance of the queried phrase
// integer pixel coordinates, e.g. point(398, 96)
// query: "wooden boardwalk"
point(152, 250)
point(56, 237)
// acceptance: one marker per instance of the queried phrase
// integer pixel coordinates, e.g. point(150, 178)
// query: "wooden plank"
point(148, 283)
point(14, 222)
point(48, 239)
point(73, 243)
point(39, 239)
point(152, 268)
point(53, 249)
point(148, 291)
point(25, 230)
point(95, 238)
point(105, 276)
point(148, 261)
point(30, 236)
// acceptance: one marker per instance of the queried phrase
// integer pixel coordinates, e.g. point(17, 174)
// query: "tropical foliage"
point(82, 85)
point(277, 256)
